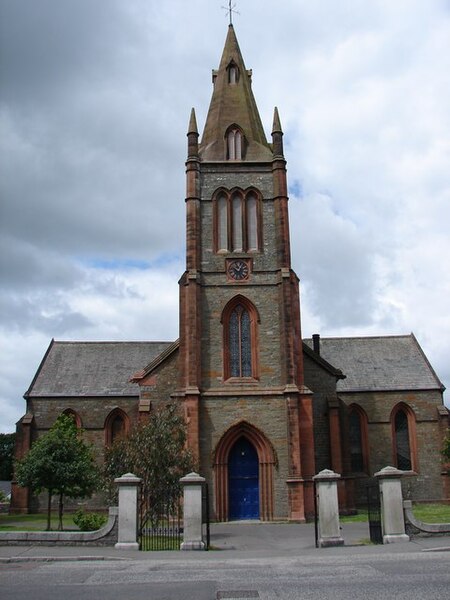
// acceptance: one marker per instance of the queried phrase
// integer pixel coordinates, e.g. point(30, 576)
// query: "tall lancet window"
point(237, 223)
point(234, 144)
point(252, 222)
point(240, 346)
point(240, 343)
point(358, 441)
point(222, 223)
point(404, 438)
point(402, 449)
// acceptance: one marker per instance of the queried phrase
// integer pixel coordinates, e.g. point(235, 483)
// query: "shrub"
point(88, 521)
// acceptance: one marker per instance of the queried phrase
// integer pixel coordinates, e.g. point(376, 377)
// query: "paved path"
point(237, 541)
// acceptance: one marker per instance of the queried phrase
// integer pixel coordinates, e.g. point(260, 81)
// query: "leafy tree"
point(156, 452)
point(7, 441)
point(61, 463)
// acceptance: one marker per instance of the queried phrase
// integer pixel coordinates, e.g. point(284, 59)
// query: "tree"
point(7, 441)
point(156, 452)
point(61, 463)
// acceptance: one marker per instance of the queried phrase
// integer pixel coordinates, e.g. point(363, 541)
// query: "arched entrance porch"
point(226, 450)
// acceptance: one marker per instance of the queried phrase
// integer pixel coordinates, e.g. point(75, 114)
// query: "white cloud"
point(93, 145)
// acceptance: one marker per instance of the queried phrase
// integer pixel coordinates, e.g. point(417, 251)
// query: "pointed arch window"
point(236, 217)
point(222, 222)
point(117, 425)
point(358, 440)
point(237, 221)
point(403, 424)
point(73, 415)
point(234, 139)
point(252, 221)
point(240, 343)
point(233, 74)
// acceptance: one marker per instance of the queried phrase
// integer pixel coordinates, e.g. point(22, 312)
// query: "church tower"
point(248, 412)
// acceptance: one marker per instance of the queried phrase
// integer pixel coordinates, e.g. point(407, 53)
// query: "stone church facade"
point(265, 410)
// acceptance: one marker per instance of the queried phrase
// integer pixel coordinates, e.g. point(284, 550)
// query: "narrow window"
point(240, 349)
point(240, 321)
point(252, 222)
point(232, 74)
point(237, 223)
point(356, 448)
point(238, 144)
point(117, 428)
point(117, 425)
point(222, 223)
point(402, 448)
point(234, 144)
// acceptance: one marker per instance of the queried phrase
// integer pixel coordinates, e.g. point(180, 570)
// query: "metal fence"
point(374, 512)
point(160, 523)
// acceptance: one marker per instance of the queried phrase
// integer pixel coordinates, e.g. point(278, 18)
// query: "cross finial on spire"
point(230, 10)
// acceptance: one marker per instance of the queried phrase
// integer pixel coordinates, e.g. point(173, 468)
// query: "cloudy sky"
point(95, 102)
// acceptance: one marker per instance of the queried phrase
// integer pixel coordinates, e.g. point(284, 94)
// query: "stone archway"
point(266, 460)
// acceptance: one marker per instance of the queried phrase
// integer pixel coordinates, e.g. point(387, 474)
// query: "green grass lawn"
point(34, 522)
point(428, 513)
point(432, 513)
point(360, 517)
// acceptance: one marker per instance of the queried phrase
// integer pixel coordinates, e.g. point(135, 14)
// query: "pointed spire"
point(277, 135)
point(192, 123)
point(192, 136)
point(276, 128)
point(233, 104)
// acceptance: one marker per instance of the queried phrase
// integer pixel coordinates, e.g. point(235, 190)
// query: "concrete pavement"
point(243, 540)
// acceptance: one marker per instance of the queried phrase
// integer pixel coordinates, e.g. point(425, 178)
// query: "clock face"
point(238, 270)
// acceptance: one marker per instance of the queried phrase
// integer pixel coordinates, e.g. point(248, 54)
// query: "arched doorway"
point(265, 463)
point(243, 481)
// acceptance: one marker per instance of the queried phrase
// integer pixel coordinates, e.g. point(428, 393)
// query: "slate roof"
point(92, 368)
point(385, 363)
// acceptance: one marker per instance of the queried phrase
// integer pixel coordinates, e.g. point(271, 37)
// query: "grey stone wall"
point(268, 414)
point(378, 407)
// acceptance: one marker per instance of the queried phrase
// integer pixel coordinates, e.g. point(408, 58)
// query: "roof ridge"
point(365, 337)
point(112, 342)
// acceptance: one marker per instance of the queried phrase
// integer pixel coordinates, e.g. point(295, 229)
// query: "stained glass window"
point(239, 343)
point(233, 342)
point(402, 441)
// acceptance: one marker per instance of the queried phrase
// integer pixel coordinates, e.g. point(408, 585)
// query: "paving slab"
point(237, 541)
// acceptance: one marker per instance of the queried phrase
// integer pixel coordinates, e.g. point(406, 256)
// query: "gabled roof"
point(157, 360)
point(385, 363)
point(322, 362)
point(233, 104)
point(92, 368)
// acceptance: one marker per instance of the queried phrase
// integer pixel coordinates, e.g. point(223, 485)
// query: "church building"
point(265, 410)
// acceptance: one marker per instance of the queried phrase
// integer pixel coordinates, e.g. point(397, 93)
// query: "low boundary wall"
point(105, 536)
point(415, 526)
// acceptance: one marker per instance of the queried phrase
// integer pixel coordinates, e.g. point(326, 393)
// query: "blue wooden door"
point(243, 485)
